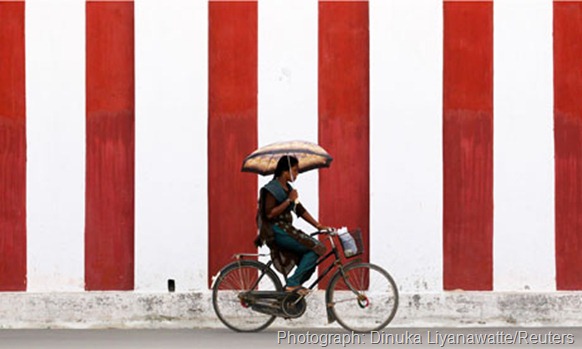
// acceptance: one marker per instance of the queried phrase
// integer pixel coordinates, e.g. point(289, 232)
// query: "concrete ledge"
point(194, 310)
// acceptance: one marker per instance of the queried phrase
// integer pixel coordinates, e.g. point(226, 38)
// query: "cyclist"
point(289, 245)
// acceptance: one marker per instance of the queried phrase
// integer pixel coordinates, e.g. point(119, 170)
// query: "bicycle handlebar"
point(331, 231)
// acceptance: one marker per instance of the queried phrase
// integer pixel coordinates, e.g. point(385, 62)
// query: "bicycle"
point(247, 295)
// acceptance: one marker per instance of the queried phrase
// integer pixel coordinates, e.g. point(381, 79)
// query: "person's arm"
point(302, 212)
point(272, 209)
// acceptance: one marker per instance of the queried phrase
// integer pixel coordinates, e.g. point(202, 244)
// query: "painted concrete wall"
point(199, 106)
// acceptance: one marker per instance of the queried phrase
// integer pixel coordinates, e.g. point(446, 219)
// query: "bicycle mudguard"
point(214, 278)
point(330, 317)
point(354, 261)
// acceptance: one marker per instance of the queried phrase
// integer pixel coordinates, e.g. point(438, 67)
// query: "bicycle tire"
point(233, 279)
point(377, 304)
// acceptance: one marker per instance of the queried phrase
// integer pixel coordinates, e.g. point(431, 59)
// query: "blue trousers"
point(306, 265)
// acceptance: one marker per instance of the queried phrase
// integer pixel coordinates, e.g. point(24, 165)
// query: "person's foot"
point(300, 290)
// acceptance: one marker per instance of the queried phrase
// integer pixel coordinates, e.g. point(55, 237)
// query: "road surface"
point(295, 338)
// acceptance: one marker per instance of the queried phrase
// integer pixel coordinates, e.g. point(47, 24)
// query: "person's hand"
point(293, 195)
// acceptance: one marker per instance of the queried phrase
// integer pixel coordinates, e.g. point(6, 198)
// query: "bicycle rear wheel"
point(233, 281)
point(365, 300)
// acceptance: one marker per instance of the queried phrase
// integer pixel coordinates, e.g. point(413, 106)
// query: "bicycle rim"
point(235, 279)
point(375, 304)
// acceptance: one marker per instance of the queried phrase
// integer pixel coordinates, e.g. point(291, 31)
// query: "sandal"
point(300, 290)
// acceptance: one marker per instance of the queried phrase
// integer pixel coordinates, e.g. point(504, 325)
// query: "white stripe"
point(523, 146)
point(171, 144)
point(406, 141)
point(55, 128)
point(287, 109)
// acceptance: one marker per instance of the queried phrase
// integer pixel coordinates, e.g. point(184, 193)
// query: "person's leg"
point(306, 265)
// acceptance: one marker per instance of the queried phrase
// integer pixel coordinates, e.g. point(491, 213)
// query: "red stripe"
point(232, 130)
point(344, 189)
point(468, 145)
point(568, 143)
point(109, 221)
point(12, 148)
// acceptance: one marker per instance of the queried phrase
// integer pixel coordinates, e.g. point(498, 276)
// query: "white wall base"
point(194, 310)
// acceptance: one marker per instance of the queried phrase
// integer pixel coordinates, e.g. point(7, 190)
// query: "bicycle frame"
point(336, 263)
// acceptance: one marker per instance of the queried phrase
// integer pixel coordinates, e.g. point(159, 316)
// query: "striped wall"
point(12, 148)
point(406, 141)
point(454, 126)
point(56, 145)
point(344, 115)
point(567, 141)
point(171, 99)
point(288, 85)
point(524, 226)
point(109, 178)
point(468, 145)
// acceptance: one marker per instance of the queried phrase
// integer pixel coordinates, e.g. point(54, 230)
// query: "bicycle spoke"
point(227, 284)
point(337, 301)
point(233, 311)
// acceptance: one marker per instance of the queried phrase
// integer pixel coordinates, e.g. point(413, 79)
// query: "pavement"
point(547, 337)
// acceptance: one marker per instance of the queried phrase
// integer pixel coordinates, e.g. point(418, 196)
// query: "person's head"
point(287, 166)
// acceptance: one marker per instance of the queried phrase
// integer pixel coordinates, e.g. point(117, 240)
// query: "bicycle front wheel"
point(230, 305)
point(365, 299)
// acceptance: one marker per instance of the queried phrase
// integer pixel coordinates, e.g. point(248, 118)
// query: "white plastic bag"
point(348, 242)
